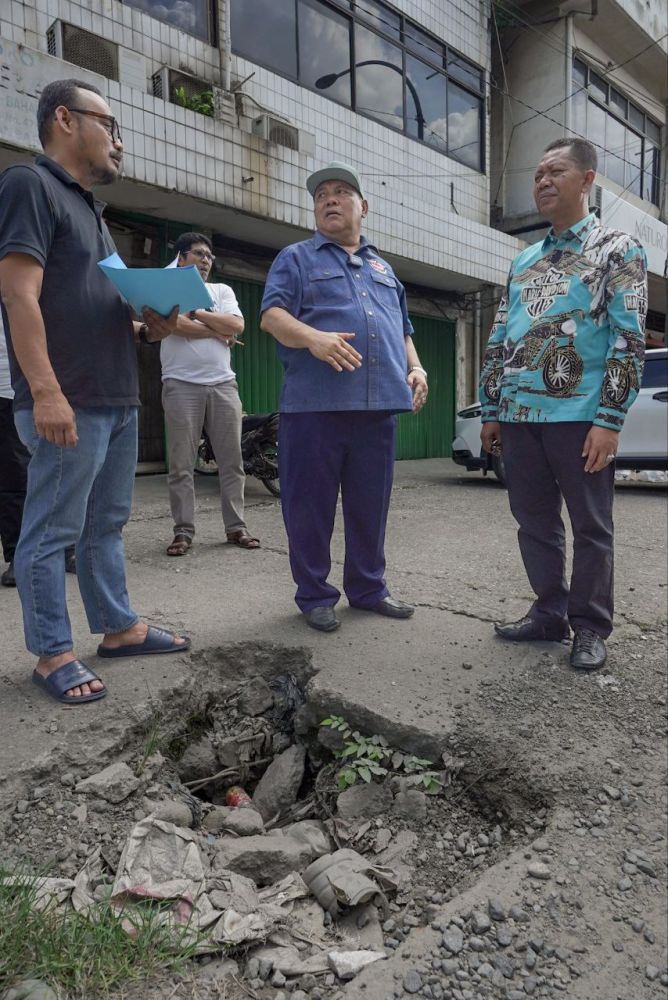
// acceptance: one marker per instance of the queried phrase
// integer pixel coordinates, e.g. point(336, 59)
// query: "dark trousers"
point(318, 454)
point(14, 460)
point(543, 466)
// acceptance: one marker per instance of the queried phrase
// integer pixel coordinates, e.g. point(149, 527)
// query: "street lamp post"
point(323, 82)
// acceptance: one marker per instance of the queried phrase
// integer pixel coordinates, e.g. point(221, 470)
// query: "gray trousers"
point(543, 466)
point(188, 408)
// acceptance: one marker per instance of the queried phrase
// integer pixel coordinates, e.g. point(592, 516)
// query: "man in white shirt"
point(199, 389)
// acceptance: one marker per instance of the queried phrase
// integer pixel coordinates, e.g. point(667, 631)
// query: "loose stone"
point(480, 921)
point(504, 936)
point(453, 940)
point(412, 981)
point(539, 870)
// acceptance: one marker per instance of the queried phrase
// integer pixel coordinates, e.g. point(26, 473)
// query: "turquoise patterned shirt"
point(568, 340)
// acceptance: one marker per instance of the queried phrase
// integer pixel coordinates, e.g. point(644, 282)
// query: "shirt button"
point(364, 294)
point(370, 312)
point(373, 336)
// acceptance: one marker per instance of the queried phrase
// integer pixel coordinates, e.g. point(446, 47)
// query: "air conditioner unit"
point(167, 81)
point(99, 55)
point(83, 48)
point(274, 130)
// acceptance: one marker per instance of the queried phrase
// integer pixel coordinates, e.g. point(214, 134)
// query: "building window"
point(374, 60)
point(628, 141)
point(195, 17)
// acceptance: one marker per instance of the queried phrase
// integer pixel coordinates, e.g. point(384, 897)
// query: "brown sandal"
point(179, 546)
point(243, 539)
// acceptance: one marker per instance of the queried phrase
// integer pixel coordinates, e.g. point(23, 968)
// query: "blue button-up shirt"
point(568, 339)
point(324, 286)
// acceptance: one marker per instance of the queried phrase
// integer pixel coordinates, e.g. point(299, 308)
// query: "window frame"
point(347, 10)
point(212, 22)
point(583, 69)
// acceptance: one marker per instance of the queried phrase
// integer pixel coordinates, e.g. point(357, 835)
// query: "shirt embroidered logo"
point(544, 290)
point(636, 299)
point(377, 265)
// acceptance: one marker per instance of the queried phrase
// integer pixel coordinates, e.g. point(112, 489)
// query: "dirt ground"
point(570, 769)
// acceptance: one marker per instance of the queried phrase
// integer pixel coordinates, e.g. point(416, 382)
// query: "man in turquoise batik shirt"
point(562, 367)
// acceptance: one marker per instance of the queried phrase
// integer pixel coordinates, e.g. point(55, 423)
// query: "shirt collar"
point(321, 241)
point(66, 178)
point(579, 231)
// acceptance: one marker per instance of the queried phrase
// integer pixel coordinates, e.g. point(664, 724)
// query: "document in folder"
point(157, 287)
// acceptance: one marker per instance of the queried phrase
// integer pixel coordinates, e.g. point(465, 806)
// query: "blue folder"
point(159, 288)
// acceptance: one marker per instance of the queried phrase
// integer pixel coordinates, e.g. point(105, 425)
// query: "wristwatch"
point(417, 368)
point(141, 333)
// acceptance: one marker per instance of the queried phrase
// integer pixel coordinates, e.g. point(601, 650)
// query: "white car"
point(643, 442)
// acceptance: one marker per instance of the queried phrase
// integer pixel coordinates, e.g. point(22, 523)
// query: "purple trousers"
point(543, 467)
point(320, 454)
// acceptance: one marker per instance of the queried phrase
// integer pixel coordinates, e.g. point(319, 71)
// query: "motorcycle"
point(259, 451)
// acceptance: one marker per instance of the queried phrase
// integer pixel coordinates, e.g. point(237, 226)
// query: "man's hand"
point(490, 436)
point(335, 350)
point(159, 326)
point(54, 419)
point(600, 448)
point(419, 388)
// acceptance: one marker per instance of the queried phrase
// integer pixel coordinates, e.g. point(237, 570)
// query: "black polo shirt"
point(45, 213)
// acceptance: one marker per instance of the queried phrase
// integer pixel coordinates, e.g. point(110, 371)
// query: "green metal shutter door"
point(259, 372)
point(430, 433)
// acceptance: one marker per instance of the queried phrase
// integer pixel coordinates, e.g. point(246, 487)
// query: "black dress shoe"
point(8, 579)
point(322, 618)
point(589, 652)
point(528, 629)
point(392, 608)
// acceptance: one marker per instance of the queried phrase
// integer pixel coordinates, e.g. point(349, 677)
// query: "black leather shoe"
point(528, 629)
point(392, 608)
point(8, 579)
point(322, 618)
point(589, 652)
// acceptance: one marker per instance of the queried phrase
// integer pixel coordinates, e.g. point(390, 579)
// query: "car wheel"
point(499, 469)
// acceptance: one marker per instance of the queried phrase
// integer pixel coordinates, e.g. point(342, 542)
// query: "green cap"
point(336, 171)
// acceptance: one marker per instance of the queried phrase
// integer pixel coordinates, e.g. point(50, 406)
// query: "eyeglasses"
point(201, 255)
point(108, 121)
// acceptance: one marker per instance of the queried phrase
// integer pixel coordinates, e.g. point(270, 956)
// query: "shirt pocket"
point(329, 286)
point(385, 290)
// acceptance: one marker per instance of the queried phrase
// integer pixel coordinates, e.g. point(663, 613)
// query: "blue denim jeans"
point(76, 496)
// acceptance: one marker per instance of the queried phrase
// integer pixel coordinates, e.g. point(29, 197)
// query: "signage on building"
point(650, 232)
point(24, 73)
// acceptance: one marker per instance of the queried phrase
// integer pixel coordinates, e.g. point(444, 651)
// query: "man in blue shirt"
point(338, 314)
point(562, 367)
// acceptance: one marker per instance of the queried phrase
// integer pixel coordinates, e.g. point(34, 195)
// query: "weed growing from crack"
point(367, 757)
point(83, 954)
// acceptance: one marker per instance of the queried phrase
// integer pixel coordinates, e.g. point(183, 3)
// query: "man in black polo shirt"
point(74, 371)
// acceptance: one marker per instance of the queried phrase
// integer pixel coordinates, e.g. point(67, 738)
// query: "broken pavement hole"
point(159, 818)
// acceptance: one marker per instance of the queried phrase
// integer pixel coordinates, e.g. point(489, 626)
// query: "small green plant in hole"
point(369, 757)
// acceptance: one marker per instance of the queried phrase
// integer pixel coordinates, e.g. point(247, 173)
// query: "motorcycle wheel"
point(273, 486)
point(205, 465)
